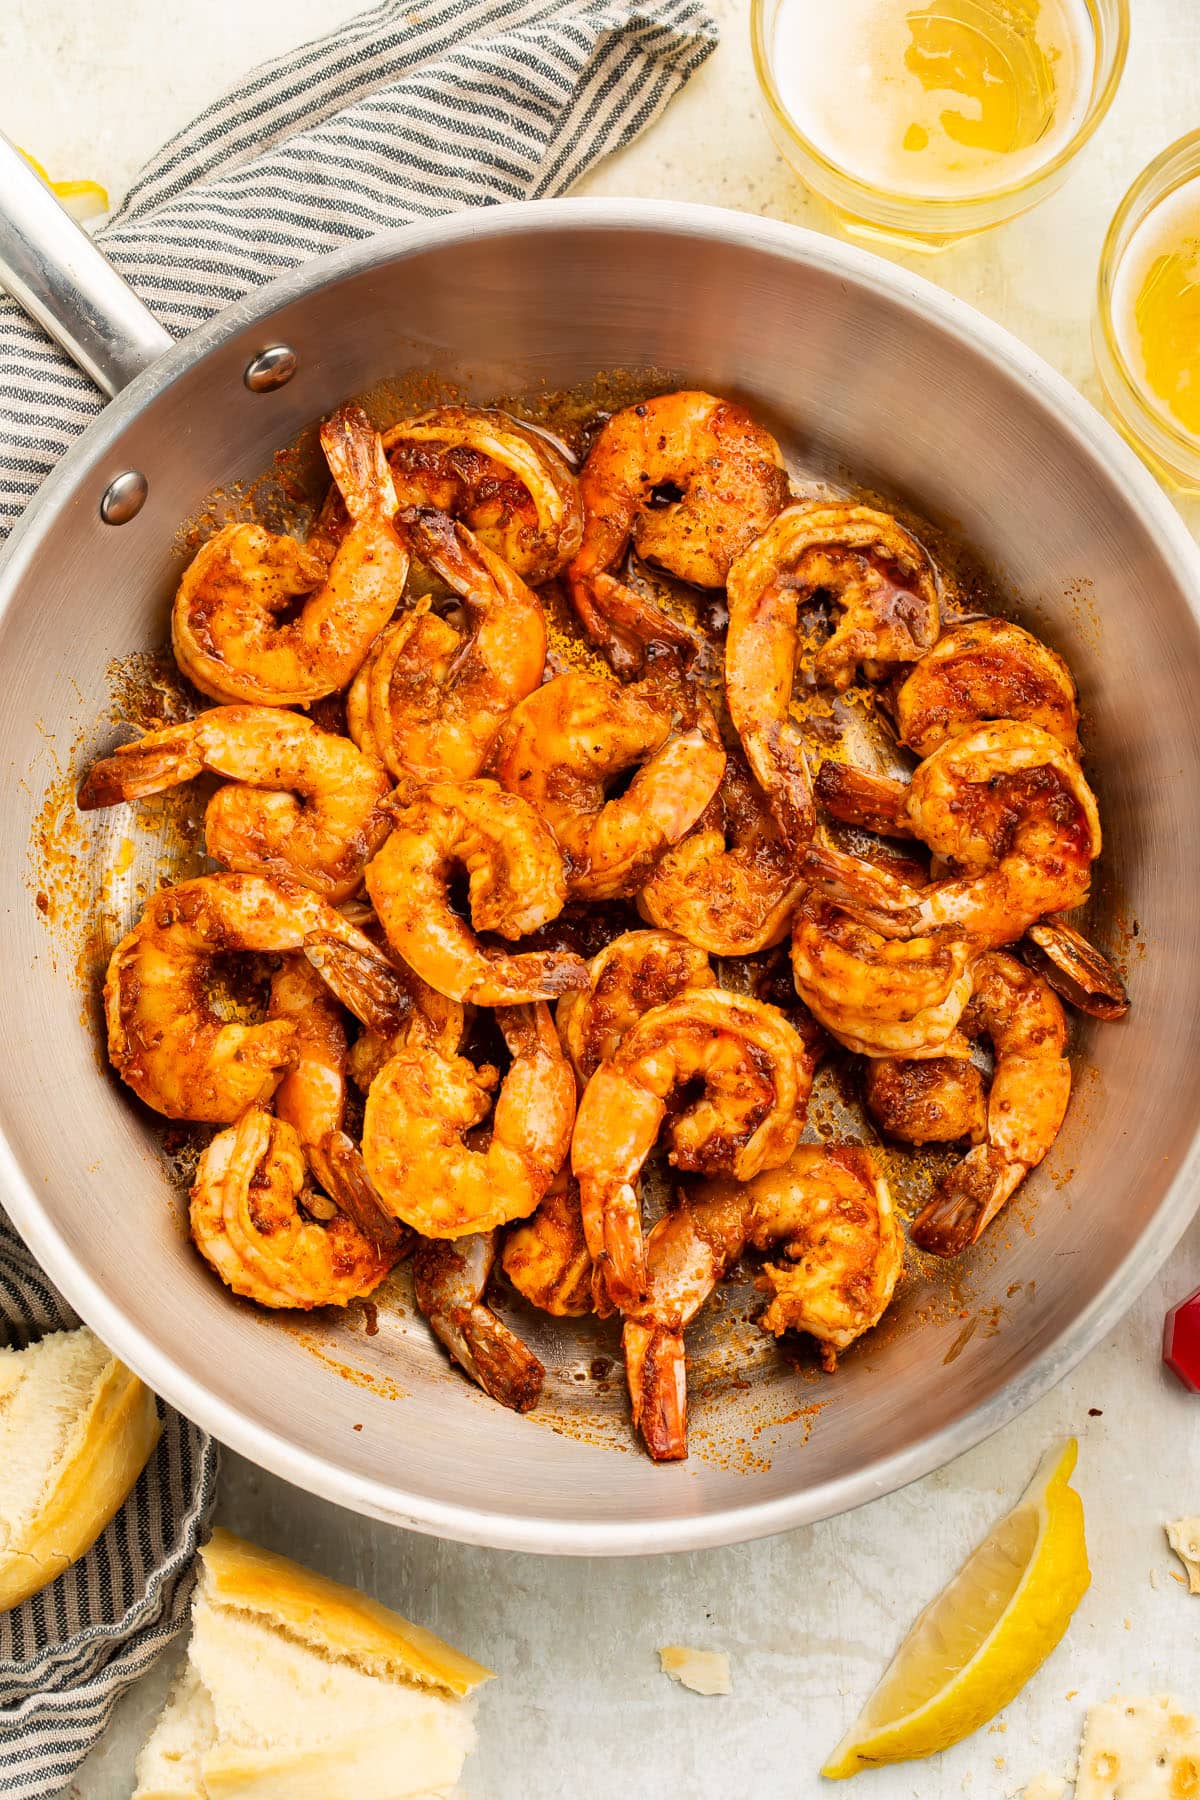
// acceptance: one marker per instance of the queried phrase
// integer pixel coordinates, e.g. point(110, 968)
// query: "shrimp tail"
point(875, 802)
point(338, 1166)
point(965, 1202)
point(1076, 969)
point(162, 760)
point(365, 983)
point(656, 1370)
point(482, 1344)
point(624, 1247)
point(882, 901)
point(358, 463)
point(630, 629)
point(540, 974)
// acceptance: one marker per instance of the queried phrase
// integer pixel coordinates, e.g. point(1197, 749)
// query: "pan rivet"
point(124, 497)
point(271, 369)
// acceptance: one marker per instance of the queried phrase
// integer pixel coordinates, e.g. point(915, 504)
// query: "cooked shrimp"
point(547, 1259)
point(511, 485)
point(638, 970)
point(312, 1099)
point(756, 1073)
point(430, 1018)
point(577, 735)
point(691, 480)
point(938, 1101)
point(827, 1210)
point(889, 591)
point(430, 698)
point(877, 996)
point(251, 1221)
point(987, 669)
point(235, 629)
point(1031, 1085)
point(300, 802)
point(421, 1105)
point(1076, 969)
point(515, 884)
point(449, 1281)
point(730, 886)
point(164, 1037)
point(1008, 808)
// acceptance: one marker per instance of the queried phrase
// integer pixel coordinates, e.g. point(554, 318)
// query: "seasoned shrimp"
point(984, 670)
point(829, 1214)
point(300, 802)
point(449, 1281)
point(564, 745)
point(1007, 807)
point(691, 480)
point(937, 1101)
point(235, 628)
point(511, 485)
point(1031, 1085)
point(430, 698)
point(877, 996)
point(312, 1099)
point(890, 594)
point(421, 1105)
point(164, 1037)
point(1076, 969)
point(515, 884)
point(756, 1073)
point(268, 1238)
point(547, 1259)
point(638, 970)
point(731, 885)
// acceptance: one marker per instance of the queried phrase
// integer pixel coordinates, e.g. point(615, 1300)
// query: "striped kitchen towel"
point(416, 108)
point(71, 1650)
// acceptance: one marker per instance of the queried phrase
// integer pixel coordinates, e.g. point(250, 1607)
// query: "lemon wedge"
point(82, 199)
point(974, 1647)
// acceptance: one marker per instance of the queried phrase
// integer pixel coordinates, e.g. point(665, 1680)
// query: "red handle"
point(1181, 1341)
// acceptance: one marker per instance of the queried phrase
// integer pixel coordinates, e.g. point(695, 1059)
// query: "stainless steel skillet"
point(859, 364)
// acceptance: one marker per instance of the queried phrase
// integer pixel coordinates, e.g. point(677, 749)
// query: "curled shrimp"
point(255, 1221)
point(311, 1098)
point(546, 1257)
point(1008, 808)
point(449, 1282)
point(756, 1073)
point(429, 699)
point(235, 629)
point(826, 1213)
point(567, 743)
point(511, 485)
point(986, 669)
point(691, 480)
point(421, 1105)
point(731, 885)
point(880, 996)
point(889, 591)
point(638, 970)
point(515, 884)
point(1031, 1085)
point(164, 1037)
point(299, 802)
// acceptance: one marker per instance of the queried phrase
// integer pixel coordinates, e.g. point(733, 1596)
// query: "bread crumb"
point(1154, 1579)
point(703, 1671)
point(1183, 1535)
point(1139, 1750)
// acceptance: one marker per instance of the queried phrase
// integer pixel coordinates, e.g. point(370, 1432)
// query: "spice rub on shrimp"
point(756, 1074)
point(235, 628)
point(450, 1281)
point(690, 480)
point(889, 593)
point(515, 884)
point(1007, 808)
point(300, 802)
point(638, 970)
point(164, 1037)
point(430, 697)
point(567, 744)
point(269, 1238)
point(422, 1104)
point(986, 669)
point(546, 1257)
point(827, 1215)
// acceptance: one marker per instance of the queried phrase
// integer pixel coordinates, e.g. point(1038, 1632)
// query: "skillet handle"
point(56, 274)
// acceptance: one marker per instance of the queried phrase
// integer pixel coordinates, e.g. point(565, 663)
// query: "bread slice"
point(76, 1431)
point(297, 1688)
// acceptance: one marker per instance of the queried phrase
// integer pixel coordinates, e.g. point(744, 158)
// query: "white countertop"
point(809, 1618)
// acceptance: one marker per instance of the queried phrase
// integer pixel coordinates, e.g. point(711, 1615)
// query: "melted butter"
point(949, 98)
point(1156, 306)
